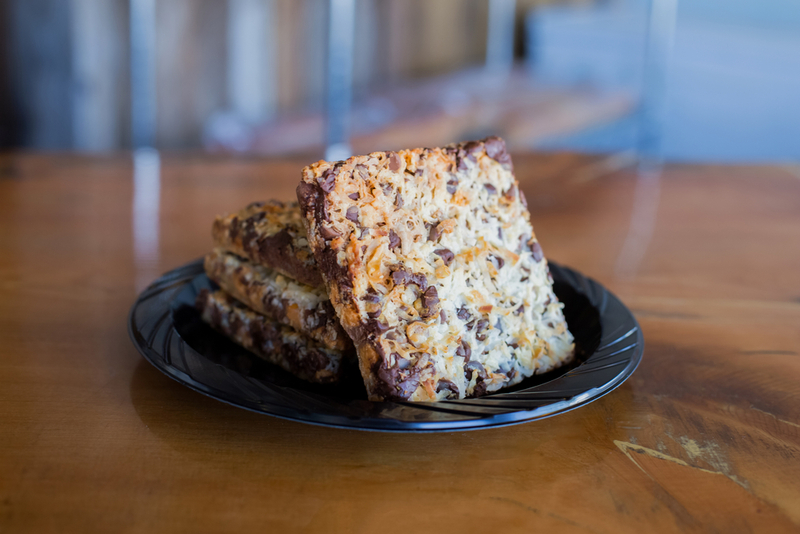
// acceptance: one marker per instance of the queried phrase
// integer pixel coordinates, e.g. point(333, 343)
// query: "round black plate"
point(169, 333)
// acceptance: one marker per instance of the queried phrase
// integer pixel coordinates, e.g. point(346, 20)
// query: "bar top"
point(704, 437)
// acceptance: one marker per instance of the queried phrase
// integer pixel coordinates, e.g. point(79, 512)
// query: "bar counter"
point(704, 437)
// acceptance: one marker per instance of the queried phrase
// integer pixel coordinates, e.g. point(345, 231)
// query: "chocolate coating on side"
point(270, 234)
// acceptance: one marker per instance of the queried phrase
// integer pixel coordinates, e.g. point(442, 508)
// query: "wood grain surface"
point(705, 437)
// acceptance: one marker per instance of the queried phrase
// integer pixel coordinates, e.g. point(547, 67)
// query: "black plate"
point(169, 333)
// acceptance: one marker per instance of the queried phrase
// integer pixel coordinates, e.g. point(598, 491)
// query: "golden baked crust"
point(434, 270)
point(278, 344)
point(306, 309)
point(271, 234)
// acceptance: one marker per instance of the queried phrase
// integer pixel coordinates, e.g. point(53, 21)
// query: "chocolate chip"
point(352, 214)
point(508, 370)
point(446, 255)
point(398, 201)
point(500, 233)
point(447, 385)
point(462, 313)
point(400, 276)
point(495, 146)
point(464, 350)
point(362, 172)
point(354, 196)
point(490, 188)
point(377, 327)
point(374, 314)
point(520, 310)
point(421, 280)
point(466, 153)
point(511, 192)
point(480, 388)
point(394, 240)
point(523, 199)
point(476, 367)
point(525, 244)
point(372, 296)
point(402, 363)
point(499, 261)
point(435, 233)
point(442, 317)
point(496, 149)
point(328, 233)
point(536, 249)
point(482, 324)
point(452, 185)
point(395, 162)
point(430, 299)
point(328, 181)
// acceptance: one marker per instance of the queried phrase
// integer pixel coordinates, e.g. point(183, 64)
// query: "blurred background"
point(700, 80)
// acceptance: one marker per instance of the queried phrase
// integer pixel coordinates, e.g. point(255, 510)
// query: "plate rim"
point(179, 277)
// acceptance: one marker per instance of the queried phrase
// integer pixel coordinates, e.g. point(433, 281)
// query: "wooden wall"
point(69, 75)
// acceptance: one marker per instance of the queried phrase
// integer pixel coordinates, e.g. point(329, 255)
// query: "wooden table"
point(704, 437)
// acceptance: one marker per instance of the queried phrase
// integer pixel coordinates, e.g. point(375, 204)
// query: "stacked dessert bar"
point(424, 258)
point(272, 299)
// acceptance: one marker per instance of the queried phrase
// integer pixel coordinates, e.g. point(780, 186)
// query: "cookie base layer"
point(278, 344)
point(305, 308)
